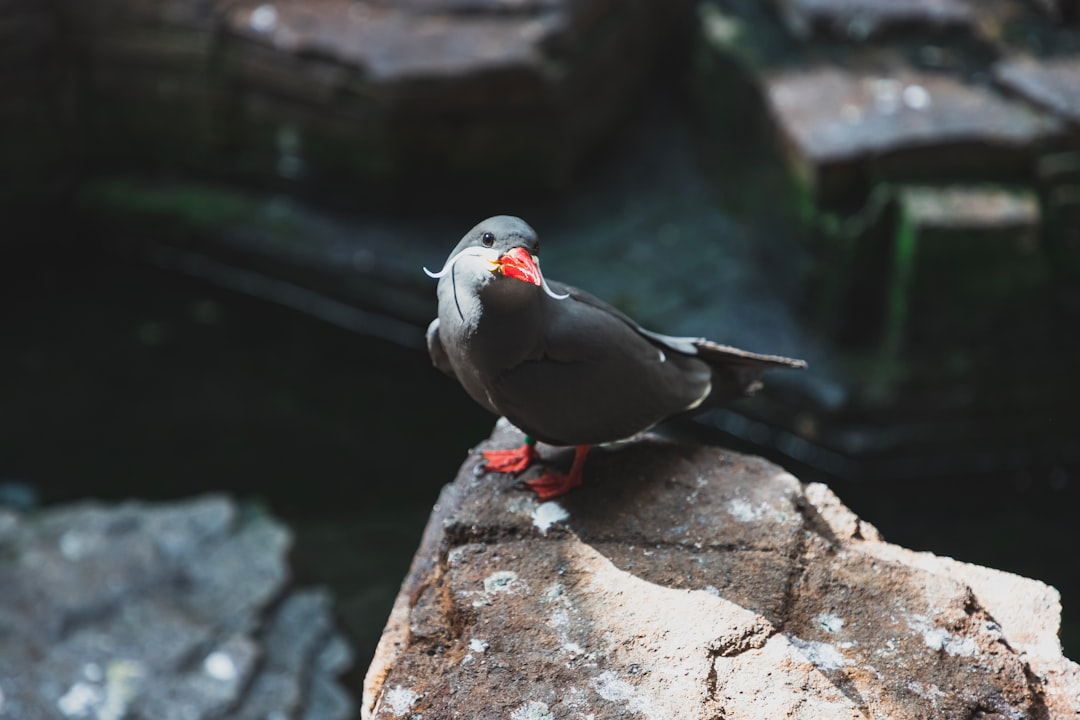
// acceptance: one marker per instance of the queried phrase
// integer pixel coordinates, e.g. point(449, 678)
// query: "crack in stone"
point(799, 560)
point(1037, 688)
point(978, 614)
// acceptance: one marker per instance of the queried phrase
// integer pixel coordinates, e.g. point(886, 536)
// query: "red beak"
point(518, 263)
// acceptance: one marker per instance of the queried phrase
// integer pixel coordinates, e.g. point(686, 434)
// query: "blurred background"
point(215, 214)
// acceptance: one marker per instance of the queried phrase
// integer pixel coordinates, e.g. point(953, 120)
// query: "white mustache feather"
point(481, 253)
point(449, 265)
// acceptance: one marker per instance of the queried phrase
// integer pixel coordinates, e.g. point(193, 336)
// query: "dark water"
point(123, 380)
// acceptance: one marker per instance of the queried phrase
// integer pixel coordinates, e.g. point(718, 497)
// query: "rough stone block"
point(861, 20)
point(468, 90)
point(837, 123)
point(689, 582)
point(1051, 83)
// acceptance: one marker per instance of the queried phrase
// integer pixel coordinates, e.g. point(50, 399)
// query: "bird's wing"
point(707, 350)
point(583, 324)
point(437, 351)
point(595, 378)
point(581, 296)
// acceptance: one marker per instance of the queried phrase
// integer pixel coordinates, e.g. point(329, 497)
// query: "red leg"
point(510, 461)
point(555, 484)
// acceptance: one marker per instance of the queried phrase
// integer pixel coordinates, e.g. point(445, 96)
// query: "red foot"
point(555, 484)
point(509, 461)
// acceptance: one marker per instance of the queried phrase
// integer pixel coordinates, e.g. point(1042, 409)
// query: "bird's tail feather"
point(712, 353)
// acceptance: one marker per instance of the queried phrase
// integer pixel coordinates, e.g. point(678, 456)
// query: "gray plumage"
point(570, 371)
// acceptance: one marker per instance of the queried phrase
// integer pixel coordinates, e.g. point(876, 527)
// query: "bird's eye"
point(488, 239)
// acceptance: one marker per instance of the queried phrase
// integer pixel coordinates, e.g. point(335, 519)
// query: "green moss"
point(198, 206)
point(898, 301)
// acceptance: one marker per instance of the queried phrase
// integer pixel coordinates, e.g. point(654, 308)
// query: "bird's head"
point(498, 249)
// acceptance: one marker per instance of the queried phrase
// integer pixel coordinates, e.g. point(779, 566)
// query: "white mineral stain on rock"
point(80, 699)
point(822, 655)
point(743, 511)
point(399, 700)
point(220, 666)
point(560, 621)
point(121, 687)
point(785, 477)
point(938, 638)
point(886, 93)
point(532, 711)
point(916, 97)
point(477, 645)
point(501, 581)
point(520, 505)
point(830, 623)
point(612, 688)
point(74, 545)
point(553, 592)
point(931, 692)
point(547, 514)
point(964, 647)
point(264, 18)
point(700, 482)
point(108, 701)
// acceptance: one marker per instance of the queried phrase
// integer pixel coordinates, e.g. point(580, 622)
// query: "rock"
point(471, 90)
point(1062, 11)
point(975, 209)
point(864, 19)
point(852, 113)
point(177, 610)
point(866, 100)
point(904, 124)
point(693, 582)
point(1053, 84)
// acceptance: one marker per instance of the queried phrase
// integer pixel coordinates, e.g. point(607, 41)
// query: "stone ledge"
point(1053, 84)
point(904, 122)
point(692, 582)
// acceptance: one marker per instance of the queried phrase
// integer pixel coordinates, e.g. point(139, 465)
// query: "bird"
point(563, 366)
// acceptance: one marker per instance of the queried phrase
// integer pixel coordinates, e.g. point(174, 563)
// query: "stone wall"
point(874, 108)
point(305, 95)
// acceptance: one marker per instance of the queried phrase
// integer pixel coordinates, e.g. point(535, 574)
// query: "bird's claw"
point(514, 460)
point(553, 484)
